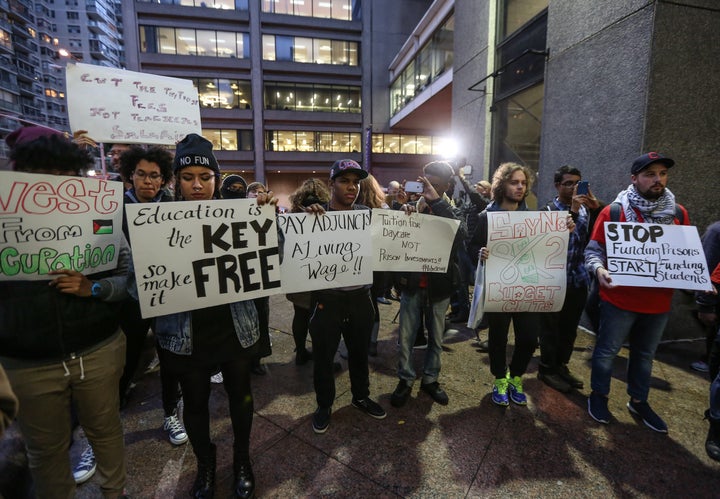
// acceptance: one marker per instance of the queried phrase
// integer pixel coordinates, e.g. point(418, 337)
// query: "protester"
point(346, 312)
point(233, 187)
point(61, 343)
point(708, 304)
point(630, 313)
point(712, 442)
point(195, 343)
point(429, 292)
point(8, 402)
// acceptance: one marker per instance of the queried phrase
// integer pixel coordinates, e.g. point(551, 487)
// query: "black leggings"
point(195, 384)
point(300, 323)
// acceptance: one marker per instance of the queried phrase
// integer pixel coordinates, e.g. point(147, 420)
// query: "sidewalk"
point(469, 448)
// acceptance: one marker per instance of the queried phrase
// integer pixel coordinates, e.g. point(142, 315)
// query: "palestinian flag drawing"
point(102, 226)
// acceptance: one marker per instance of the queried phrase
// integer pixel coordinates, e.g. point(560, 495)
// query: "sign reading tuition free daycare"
point(196, 254)
point(115, 105)
point(51, 222)
point(656, 255)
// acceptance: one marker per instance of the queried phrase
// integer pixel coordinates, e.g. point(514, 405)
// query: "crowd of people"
point(72, 349)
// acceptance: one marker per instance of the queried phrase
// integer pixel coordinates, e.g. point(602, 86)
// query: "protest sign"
point(656, 255)
point(526, 269)
point(411, 242)
point(326, 251)
point(196, 254)
point(115, 105)
point(51, 222)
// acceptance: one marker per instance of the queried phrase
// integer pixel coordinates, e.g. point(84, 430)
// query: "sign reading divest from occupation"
point(196, 254)
point(411, 243)
point(326, 251)
point(656, 255)
point(49, 222)
point(115, 105)
point(526, 269)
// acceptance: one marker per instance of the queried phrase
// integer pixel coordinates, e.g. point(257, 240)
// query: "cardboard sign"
point(115, 105)
point(656, 255)
point(196, 254)
point(411, 243)
point(526, 269)
point(50, 222)
point(326, 251)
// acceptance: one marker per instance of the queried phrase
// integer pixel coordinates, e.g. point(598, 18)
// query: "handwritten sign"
point(115, 105)
point(50, 222)
point(656, 255)
point(196, 254)
point(411, 243)
point(326, 251)
point(526, 269)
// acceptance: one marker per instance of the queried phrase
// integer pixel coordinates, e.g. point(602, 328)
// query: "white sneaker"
point(153, 366)
point(700, 366)
point(85, 469)
point(216, 378)
point(175, 429)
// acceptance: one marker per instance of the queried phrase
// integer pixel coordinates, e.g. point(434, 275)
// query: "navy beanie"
point(195, 150)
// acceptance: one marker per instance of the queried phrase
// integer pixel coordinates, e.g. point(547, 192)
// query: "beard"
point(650, 194)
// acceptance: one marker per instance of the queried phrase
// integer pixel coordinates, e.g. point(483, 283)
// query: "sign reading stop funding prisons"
point(115, 105)
point(196, 254)
point(332, 250)
point(51, 222)
point(411, 242)
point(656, 255)
point(526, 269)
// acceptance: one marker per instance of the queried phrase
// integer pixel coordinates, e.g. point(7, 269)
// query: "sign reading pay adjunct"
point(196, 254)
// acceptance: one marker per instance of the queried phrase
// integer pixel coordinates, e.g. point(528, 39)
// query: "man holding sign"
point(628, 312)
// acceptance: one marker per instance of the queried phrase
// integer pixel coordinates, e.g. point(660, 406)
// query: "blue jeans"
point(643, 331)
point(411, 310)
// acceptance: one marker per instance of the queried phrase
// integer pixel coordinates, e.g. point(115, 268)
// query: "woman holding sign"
point(199, 341)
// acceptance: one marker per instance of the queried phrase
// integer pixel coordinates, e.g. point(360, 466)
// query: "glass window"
point(340, 98)
point(324, 141)
point(269, 47)
point(517, 128)
point(339, 52)
point(352, 48)
point(377, 142)
point(226, 97)
point(409, 82)
point(303, 49)
point(396, 96)
point(224, 4)
point(322, 8)
point(246, 140)
point(283, 48)
point(186, 43)
point(242, 94)
point(322, 51)
point(519, 12)
point(528, 69)
point(423, 144)
point(306, 141)
point(213, 136)
point(303, 98)
point(283, 7)
point(241, 4)
point(407, 144)
point(243, 46)
point(166, 37)
point(425, 72)
point(353, 102)
point(148, 39)
point(392, 144)
point(229, 140)
point(340, 142)
point(323, 98)
point(302, 7)
point(354, 142)
point(286, 141)
point(208, 92)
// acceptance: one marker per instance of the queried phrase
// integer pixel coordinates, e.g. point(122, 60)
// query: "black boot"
point(204, 486)
point(712, 444)
point(244, 481)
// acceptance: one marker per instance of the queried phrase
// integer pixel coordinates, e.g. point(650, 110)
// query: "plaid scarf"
point(660, 210)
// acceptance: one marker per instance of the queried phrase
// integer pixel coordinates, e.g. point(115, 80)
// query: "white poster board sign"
point(526, 269)
point(326, 251)
point(50, 222)
point(115, 105)
point(656, 255)
point(411, 242)
point(196, 254)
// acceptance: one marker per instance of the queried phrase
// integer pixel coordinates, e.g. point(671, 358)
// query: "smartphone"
point(411, 186)
point(582, 187)
point(467, 169)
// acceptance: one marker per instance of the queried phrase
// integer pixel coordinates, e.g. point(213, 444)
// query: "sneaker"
point(302, 357)
point(216, 378)
point(651, 420)
point(175, 429)
point(401, 394)
point(554, 381)
point(483, 346)
point(438, 394)
point(569, 378)
point(700, 366)
point(383, 300)
point(500, 392)
point(515, 389)
point(598, 408)
point(369, 407)
point(321, 420)
point(153, 366)
point(85, 469)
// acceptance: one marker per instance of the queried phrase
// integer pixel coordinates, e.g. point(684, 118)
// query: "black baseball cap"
point(647, 159)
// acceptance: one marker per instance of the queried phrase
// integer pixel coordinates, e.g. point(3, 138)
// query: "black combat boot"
point(204, 486)
point(244, 480)
point(712, 444)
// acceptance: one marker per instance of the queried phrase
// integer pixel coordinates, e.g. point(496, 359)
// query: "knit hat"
point(29, 133)
point(228, 193)
point(195, 150)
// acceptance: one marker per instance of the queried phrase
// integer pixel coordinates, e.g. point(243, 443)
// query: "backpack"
point(616, 208)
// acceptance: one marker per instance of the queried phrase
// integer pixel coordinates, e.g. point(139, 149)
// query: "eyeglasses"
point(154, 176)
point(569, 183)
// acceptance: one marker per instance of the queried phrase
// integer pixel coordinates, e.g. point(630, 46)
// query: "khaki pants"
point(45, 394)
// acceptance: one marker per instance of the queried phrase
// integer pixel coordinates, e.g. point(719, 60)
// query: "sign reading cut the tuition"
point(326, 251)
point(656, 255)
point(196, 254)
point(115, 105)
point(526, 269)
point(411, 242)
point(49, 222)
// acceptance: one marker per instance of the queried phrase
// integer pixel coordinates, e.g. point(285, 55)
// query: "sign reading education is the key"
point(411, 242)
point(115, 105)
point(656, 255)
point(526, 269)
point(332, 250)
point(51, 222)
point(195, 254)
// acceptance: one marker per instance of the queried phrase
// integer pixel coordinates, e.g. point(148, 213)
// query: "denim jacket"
point(174, 331)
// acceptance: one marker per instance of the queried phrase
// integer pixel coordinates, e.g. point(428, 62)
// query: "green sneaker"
point(500, 392)
point(516, 390)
